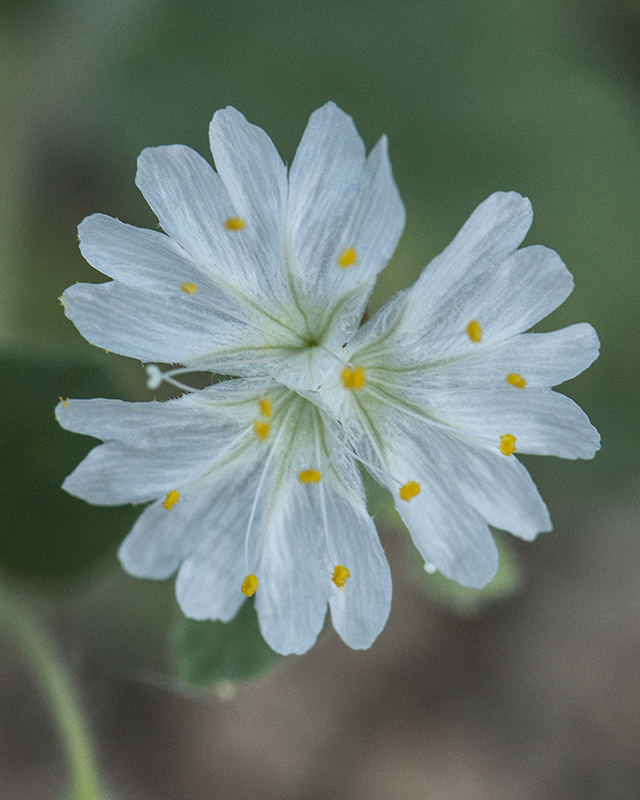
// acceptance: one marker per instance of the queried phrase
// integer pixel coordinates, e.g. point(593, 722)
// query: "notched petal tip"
point(516, 200)
point(500, 207)
point(228, 121)
point(593, 443)
point(331, 114)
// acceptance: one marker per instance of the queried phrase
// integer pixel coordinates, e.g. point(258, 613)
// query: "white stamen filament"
point(323, 502)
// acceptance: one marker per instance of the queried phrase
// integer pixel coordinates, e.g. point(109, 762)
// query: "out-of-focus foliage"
point(44, 532)
point(210, 652)
point(462, 599)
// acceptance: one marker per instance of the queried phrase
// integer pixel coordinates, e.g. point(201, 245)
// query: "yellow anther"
point(262, 429)
point(409, 490)
point(347, 258)
point(516, 380)
point(189, 288)
point(265, 407)
point(171, 499)
point(234, 224)
point(340, 576)
point(507, 444)
point(310, 476)
point(354, 379)
point(249, 586)
point(474, 331)
point(64, 402)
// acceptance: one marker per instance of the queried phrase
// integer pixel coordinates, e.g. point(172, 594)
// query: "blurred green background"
point(542, 97)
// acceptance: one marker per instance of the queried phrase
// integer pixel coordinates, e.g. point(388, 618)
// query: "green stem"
point(56, 683)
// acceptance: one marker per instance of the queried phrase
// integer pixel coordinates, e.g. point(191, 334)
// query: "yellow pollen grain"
point(310, 476)
point(265, 407)
point(507, 444)
point(474, 331)
point(354, 378)
point(262, 429)
point(234, 224)
point(171, 499)
point(409, 490)
point(340, 576)
point(516, 380)
point(249, 586)
point(347, 258)
point(64, 402)
point(189, 288)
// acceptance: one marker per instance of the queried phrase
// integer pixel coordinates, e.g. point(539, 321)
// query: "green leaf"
point(209, 652)
point(44, 532)
point(462, 599)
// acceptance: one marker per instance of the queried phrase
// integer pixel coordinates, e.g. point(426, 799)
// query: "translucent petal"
point(323, 183)
point(156, 544)
point(153, 448)
point(360, 610)
point(448, 532)
point(541, 359)
point(544, 422)
point(340, 205)
point(210, 579)
point(480, 279)
point(193, 207)
point(201, 330)
point(256, 181)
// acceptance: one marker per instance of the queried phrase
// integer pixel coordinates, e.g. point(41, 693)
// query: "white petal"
point(111, 475)
point(204, 329)
point(288, 543)
point(210, 579)
point(145, 424)
point(305, 531)
point(339, 201)
point(256, 181)
point(376, 219)
point(144, 259)
point(423, 325)
point(291, 600)
point(373, 230)
point(544, 422)
point(193, 206)
point(480, 277)
point(203, 530)
point(188, 198)
point(153, 448)
point(499, 488)
point(360, 610)
point(323, 182)
point(494, 230)
point(542, 359)
point(447, 531)
point(156, 544)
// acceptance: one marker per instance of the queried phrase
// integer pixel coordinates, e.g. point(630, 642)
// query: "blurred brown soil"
point(538, 698)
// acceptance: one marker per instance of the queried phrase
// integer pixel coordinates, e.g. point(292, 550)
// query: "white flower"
point(441, 387)
point(264, 274)
point(260, 270)
point(252, 491)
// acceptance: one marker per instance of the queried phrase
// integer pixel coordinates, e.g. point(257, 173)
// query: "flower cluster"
point(263, 273)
